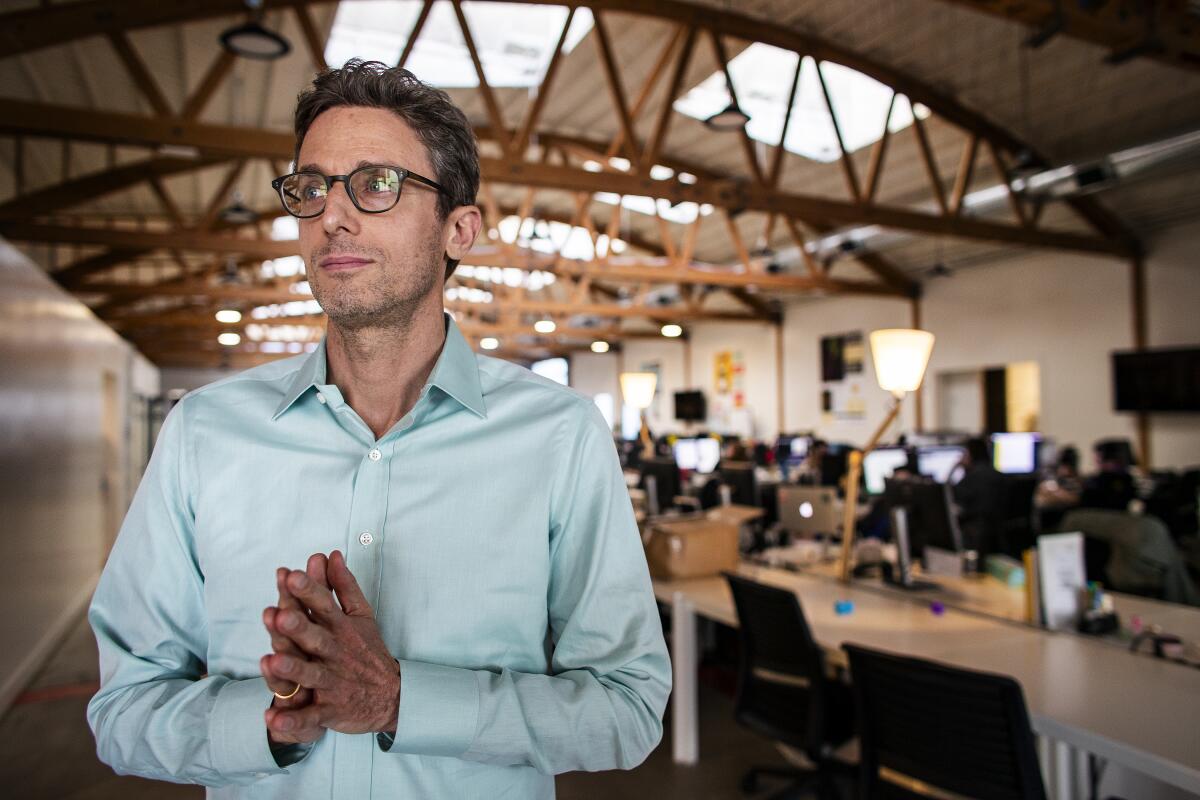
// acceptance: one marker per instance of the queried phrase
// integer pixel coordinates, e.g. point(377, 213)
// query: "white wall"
point(1173, 296)
point(690, 365)
point(1066, 312)
point(63, 483)
point(804, 324)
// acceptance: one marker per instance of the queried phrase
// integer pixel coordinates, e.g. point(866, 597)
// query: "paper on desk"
point(1062, 576)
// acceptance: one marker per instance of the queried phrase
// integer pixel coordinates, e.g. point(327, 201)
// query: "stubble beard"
point(390, 296)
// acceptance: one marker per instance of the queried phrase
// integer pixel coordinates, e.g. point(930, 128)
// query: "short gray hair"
point(439, 124)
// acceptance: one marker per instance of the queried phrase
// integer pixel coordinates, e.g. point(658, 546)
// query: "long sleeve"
point(155, 715)
point(601, 706)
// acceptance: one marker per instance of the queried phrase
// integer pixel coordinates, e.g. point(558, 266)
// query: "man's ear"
point(461, 228)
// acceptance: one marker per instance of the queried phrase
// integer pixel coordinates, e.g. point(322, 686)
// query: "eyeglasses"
point(373, 189)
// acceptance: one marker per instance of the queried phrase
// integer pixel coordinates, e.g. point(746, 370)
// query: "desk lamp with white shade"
point(638, 391)
point(900, 356)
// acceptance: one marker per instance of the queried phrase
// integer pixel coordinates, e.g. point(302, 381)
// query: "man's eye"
point(380, 184)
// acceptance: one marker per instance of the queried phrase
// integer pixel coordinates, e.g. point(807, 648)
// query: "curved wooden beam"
point(31, 29)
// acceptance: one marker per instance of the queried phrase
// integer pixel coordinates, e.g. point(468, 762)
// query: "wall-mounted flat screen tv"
point(1157, 380)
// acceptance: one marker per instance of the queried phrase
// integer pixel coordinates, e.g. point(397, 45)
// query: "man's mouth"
point(340, 263)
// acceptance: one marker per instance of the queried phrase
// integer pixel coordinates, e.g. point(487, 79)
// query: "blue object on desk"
point(843, 607)
point(938, 608)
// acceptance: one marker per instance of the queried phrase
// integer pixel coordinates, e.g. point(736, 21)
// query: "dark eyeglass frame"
point(330, 180)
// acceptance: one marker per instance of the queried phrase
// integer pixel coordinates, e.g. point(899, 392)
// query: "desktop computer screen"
point(665, 475)
point(708, 454)
point(739, 477)
point(878, 465)
point(808, 511)
point(931, 521)
point(1015, 453)
point(799, 447)
point(687, 455)
point(940, 463)
point(697, 455)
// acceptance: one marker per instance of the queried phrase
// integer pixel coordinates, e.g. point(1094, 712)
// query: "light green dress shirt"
point(490, 529)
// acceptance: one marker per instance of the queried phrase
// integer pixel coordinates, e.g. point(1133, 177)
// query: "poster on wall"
point(842, 377)
point(729, 411)
point(729, 377)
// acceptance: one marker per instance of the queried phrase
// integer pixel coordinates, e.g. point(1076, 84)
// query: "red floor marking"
point(48, 693)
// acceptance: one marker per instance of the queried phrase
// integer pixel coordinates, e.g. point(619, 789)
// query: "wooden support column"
point(919, 394)
point(779, 375)
point(1137, 275)
point(687, 361)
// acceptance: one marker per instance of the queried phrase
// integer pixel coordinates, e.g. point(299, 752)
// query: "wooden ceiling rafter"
point(731, 195)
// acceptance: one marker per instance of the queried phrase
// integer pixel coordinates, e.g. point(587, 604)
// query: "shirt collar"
point(455, 373)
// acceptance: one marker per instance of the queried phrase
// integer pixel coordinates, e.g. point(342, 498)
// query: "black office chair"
point(783, 692)
point(952, 729)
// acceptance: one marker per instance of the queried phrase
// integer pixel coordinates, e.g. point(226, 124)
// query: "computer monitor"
point(690, 406)
point(808, 511)
point(708, 454)
point(687, 455)
point(1015, 453)
point(798, 448)
point(879, 465)
point(739, 477)
point(930, 514)
point(665, 476)
point(940, 463)
point(834, 464)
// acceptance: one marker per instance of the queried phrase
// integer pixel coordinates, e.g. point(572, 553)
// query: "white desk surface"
point(1139, 711)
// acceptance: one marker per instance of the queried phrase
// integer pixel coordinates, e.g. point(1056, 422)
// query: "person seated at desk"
point(979, 496)
point(809, 473)
point(1113, 486)
point(734, 450)
point(1061, 491)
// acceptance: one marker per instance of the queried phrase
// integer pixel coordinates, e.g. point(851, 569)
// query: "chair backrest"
point(956, 730)
point(1144, 558)
point(777, 650)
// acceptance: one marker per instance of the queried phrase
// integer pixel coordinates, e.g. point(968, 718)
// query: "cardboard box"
point(691, 548)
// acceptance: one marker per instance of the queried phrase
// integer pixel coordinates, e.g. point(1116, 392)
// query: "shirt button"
point(320, 398)
point(375, 455)
point(365, 538)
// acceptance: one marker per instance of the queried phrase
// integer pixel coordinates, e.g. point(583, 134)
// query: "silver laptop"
point(809, 511)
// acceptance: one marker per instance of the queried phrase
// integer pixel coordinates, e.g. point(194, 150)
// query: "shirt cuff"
point(238, 733)
point(439, 708)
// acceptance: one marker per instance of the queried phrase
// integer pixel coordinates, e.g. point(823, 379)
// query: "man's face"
point(370, 269)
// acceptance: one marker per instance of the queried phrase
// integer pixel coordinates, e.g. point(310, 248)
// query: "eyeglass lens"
point(372, 189)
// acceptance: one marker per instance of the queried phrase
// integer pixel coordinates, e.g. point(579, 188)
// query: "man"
point(980, 497)
point(484, 618)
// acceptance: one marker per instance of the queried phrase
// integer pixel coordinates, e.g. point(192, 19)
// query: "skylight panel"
point(762, 77)
point(681, 213)
point(515, 41)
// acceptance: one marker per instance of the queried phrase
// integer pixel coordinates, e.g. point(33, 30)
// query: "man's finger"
point(286, 600)
point(280, 643)
point(294, 725)
point(315, 597)
point(280, 684)
point(317, 569)
point(308, 636)
point(306, 673)
point(349, 595)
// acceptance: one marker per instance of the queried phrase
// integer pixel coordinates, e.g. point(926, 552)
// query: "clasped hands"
point(326, 642)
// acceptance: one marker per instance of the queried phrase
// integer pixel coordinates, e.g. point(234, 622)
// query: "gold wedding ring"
point(288, 696)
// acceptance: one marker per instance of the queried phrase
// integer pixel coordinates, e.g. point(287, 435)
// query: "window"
point(515, 41)
point(759, 80)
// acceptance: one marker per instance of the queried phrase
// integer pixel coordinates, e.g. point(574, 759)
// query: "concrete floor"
point(47, 750)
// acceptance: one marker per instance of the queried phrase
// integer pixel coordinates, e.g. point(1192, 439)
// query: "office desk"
point(1083, 696)
point(985, 594)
